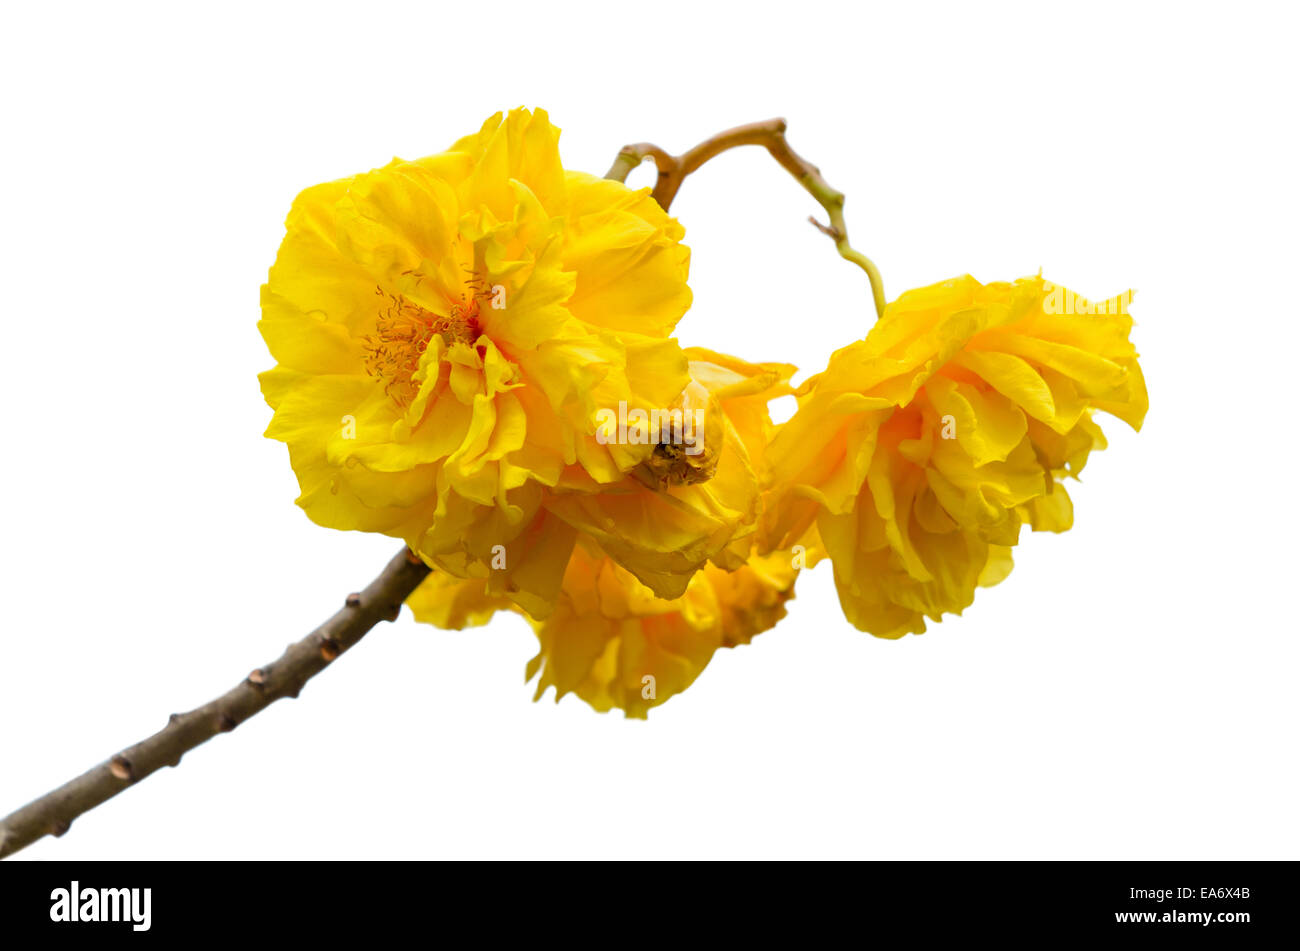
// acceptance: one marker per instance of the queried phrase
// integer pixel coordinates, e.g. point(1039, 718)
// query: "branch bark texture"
point(54, 812)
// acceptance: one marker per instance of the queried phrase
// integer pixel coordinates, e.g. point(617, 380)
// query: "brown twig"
point(771, 135)
point(54, 812)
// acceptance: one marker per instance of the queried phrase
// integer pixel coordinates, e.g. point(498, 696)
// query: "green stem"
point(771, 136)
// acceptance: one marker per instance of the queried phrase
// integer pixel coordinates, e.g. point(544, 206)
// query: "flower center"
point(671, 463)
point(403, 330)
point(688, 455)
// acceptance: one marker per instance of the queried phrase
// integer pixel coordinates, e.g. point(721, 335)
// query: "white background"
point(1130, 691)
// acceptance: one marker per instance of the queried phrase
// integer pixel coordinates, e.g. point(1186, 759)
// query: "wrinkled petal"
point(921, 450)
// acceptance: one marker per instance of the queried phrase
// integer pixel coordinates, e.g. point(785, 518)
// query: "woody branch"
point(54, 812)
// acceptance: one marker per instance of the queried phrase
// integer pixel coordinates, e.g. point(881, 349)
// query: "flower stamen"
point(403, 330)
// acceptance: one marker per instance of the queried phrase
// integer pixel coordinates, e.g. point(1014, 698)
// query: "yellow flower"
point(663, 572)
point(616, 645)
point(446, 330)
point(610, 640)
point(454, 604)
point(921, 450)
point(693, 500)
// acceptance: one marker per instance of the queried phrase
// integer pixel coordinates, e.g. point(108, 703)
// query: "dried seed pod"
point(689, 439)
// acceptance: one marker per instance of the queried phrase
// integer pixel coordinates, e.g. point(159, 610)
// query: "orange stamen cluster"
point(403, 330)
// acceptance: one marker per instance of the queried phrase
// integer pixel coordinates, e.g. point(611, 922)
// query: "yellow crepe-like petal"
point(633, 586)
point(445, 330)
point(921, 450)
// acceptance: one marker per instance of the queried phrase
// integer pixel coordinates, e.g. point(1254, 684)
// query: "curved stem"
point(54, 812)
point(771, 135)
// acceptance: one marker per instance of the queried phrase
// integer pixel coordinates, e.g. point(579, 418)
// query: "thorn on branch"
point(257, 678)
point(59, 828)
point(226, 723)
point(120, 767)
point(329, 648)
point(353, 600)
